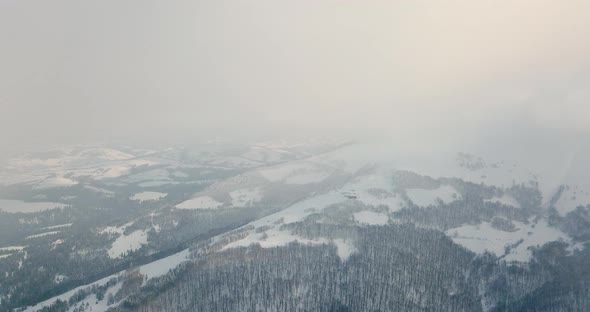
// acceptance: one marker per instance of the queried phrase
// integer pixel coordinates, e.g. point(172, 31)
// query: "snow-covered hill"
point(495, 207)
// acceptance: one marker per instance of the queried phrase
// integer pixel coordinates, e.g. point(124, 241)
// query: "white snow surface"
point(162, 266)
point(115, 229)
point(202, 202)
point(59, 278)
point(482, 237)
point(15, 206)
point(505, 200)
point(13, 248)
point(571, 198)
point(126, 243)
point(91, 300)
point(426, 197)
point(56, 243)
point(59, 226)
point(111, 170)
point(504, 169)
point(42, 234)
point(273, 236)
point(145, 196)
point(65, 165)
point(298, 211)
point(246, 197)
point(151, 270)
point(344, 248)
point(375, 190)
point(371, 218)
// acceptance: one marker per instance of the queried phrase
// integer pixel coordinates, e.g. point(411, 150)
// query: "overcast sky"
point(74, 70)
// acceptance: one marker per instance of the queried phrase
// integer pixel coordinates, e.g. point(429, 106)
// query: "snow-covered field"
point(364, 192)
point(298, 211)
point(571, 198)
point(93, 303)
point(484, 237)
point(127, 243)
point(59, 278)
point(16, 206)
point(59, 226)
point(344, 248)
point(202, 202)
point(150, 270)
point(371, 218)
point(425, 197)
point(13, 248)
point(56, 243)
point(43, 234)
point(246, 197)
point(114, 229)
point(273, 236)
point(143, 196)
point(505, 200)
point(162, 266)
point(67, 165)
point(374, 190)
point(124, 243)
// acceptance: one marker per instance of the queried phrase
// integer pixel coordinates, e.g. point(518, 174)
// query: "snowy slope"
point(246, 197)
point(355, 182)
point(146, 196)
point(371, 218)
point(64, 166)
point(374, 189)
point(505, 200)
point(14, 206)
point(127, 243)
point(572, 197)
point(513, 245)
point(430, 197)
point(201, 202)
point(151, 270)
point(370, 195)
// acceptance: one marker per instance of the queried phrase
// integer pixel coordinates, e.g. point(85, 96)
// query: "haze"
point(74, 71)
point(302, 155)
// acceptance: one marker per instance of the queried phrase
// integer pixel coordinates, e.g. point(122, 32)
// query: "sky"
point(179, 70)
